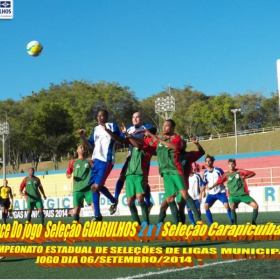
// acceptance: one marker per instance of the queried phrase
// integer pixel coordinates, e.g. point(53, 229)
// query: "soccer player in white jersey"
point(136, 129)
point(210, 177)
point(196, 188)
point(103, 158)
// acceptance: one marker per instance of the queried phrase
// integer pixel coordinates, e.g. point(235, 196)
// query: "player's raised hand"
point(123, 128)
point(194, 140)
point(81, 132)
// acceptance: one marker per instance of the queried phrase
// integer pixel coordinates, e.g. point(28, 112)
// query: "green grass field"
point(213, 268)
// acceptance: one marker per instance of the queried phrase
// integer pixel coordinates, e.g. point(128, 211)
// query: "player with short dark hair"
point(31, 187)
point(81, 170)
point(186, 158)
point(195, 190)
point(103, 157)
point(238, 189)
point(210, 176)
point(168, 148)
point(6, 194)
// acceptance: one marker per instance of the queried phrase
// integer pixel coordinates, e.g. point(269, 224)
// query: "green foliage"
point(270, 109)
point(46, 123)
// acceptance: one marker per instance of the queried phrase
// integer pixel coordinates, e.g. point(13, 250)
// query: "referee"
point(5, 194)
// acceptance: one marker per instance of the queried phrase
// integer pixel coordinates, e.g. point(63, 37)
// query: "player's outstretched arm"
point(247, 173)
point(199, 147)
point(113, 135)
point(81, 133)
point(70, 169)
point(134, 141)
point(170, 145)
point(220, 181)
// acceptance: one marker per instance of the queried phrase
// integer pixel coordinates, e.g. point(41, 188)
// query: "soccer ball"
point(34, 48)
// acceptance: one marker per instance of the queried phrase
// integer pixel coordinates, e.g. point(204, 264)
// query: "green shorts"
point(134, 185)
point(31, 204)
point(173, 184)
point(80, 196)
point(242, 198)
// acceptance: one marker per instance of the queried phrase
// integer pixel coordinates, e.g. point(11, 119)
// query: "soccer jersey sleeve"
point(149, 142)
point(147, 125)
point(23, 184)
point(151, 149)
point(38, 181)
point(70, 169)
point(244, 173)
point(219, 171)
point(91, 139)
point(177, 141)
point(205, 177)
point(193, 156)
point(128, 129)
point(222, 179)
point(114, 128)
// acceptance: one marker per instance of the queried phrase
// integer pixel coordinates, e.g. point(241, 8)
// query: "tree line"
point(45, 123)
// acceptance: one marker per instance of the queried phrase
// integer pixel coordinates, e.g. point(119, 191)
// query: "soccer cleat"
point(97, 218)
point(150, 207)
point(142, 241)
point(200, 222)
point(113, 208)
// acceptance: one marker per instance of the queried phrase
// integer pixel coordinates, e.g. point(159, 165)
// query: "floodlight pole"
point(165, 106)
point(4, 132)
point(236, 143)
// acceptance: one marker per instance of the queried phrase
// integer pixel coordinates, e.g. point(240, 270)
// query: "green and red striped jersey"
point(139, 162)
point(81, 169)
point(31, 186)
point(168, 159)
point(236, 185)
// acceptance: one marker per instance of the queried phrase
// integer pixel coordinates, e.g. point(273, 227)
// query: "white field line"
point(178, 269)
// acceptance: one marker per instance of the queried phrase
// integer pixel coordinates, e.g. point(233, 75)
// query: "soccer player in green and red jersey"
point(81, 170)
point(31, 188)
point(168, 149)
point(137, 175)
point(238, 189)
point(187, 159)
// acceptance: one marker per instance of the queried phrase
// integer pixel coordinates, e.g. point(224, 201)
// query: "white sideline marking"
point(179, 269)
